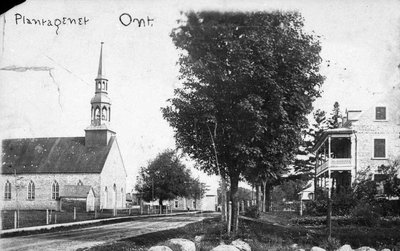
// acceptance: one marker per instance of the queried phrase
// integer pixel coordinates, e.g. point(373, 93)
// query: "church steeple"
point(98, 132)
point(101, 103)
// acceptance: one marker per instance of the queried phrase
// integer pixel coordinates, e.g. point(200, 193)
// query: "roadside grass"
point(30, 218)
point(265, 236)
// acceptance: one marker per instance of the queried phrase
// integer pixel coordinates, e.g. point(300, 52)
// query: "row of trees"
point(248, 83)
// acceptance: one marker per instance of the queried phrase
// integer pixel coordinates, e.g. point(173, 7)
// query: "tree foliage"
point(165, 178)
point(197, 189)
point(304, 162)
point(248, 82)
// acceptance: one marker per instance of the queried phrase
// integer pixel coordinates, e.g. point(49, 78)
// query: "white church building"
point(50, 173)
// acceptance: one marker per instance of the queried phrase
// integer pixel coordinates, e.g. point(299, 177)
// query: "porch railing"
point(336, 164)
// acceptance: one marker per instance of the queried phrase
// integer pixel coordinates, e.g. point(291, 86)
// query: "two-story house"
point(366, 139)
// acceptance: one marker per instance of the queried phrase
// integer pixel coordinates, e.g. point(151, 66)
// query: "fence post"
point(95, 213)
point(237, 217)
point(55, 218)
point(15, 219)
point(301, 207)
point(74, 213)
point(47, 216)
point(229, 217)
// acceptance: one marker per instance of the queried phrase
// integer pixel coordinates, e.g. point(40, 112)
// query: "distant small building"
point(78, 196)
point(209, 202)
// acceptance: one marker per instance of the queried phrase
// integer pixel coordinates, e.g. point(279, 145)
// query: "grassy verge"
point(31, 218)
point(81, 224)
point(265, 236)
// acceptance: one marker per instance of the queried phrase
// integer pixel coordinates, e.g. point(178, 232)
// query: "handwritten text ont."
point(126, 19)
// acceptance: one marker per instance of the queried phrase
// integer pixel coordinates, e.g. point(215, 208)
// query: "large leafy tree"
point(248, 81)
point(165, 178)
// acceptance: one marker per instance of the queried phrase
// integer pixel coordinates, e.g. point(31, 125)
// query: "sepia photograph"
point(200, 125)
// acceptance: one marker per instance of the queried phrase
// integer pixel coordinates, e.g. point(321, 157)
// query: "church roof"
point(52, 155)
point(75, 191)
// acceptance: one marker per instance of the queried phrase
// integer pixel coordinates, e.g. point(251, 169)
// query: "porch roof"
point(330, 132)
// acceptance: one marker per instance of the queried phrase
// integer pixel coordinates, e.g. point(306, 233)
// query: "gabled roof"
point(75, 191)
point(52, 155)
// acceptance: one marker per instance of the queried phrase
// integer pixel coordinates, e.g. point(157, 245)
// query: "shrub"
point(316, 207)
point(342, 202)
point(365, 214)
point(252, 212)
point(330, 244)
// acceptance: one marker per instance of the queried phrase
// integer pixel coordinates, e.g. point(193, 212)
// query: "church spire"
point(98, 133)
point(101, 104)
point(100, 71)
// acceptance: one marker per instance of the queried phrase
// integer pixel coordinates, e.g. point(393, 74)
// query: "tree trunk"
point(264, 208)
point(160, 202)
point(223, 200)
point(256, 187)
point(259, 202)
point(234, 199)
point(268, 195)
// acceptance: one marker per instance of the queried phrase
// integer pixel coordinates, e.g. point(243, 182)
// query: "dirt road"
point(91, 236)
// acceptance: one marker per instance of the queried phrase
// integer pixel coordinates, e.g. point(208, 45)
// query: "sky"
point(47, 73)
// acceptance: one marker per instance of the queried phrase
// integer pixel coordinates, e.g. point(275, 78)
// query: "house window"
point(31, 190)
point(380, 113)
point(176, 204)
point(379, 148)
point(55, 191)
point(80, 183)
point(7, 191)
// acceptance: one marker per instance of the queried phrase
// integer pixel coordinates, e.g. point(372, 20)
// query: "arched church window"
point(55, 190)
point(105, 197)
point(80, 183)
point(97, 113)
point(31, 190)
point(109, 113)
point(104, 114)
point(7, 191)
point(122, 197)
point(98, 85)
point(104, 85)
